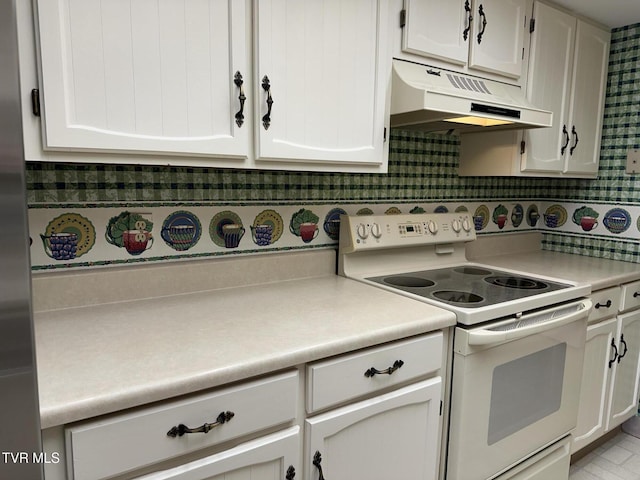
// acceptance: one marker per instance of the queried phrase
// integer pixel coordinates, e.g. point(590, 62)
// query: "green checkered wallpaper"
point(422, 168)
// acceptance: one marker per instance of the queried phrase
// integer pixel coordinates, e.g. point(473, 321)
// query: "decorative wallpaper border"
point(92, 235)
point(65, 236)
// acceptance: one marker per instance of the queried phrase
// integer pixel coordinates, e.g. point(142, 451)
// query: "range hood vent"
point(470, 84)
point(431, 99)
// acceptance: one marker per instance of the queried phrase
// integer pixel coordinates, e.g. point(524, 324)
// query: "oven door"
point(515, 389)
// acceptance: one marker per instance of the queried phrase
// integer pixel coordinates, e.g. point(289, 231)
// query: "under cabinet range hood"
point(432, 99)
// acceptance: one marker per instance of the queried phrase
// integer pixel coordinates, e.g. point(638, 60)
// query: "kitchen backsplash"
point(88, 215)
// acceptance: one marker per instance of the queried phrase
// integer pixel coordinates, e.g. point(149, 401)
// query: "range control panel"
point(388, 231)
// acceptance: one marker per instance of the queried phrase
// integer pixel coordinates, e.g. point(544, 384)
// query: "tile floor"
point(618, 459)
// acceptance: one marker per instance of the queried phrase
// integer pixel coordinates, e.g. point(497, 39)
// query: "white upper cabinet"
point(567, 75)
point(147, 76)
point(270, 84)
point(497, 44)
point(589, 85)
point(438, 29)
point(486, 35)
point(325, 66)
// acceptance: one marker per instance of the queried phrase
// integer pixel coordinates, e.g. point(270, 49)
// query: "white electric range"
point(518, 346)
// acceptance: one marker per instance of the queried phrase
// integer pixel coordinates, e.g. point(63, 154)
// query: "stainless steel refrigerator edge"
point(20, 442)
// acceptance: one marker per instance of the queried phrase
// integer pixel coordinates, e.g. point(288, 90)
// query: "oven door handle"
point(536, 323)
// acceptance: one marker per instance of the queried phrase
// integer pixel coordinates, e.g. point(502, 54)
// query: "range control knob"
point(466, 224)
point(362, 230)
point(433, 227)
point(376, 231)
point(455, 226)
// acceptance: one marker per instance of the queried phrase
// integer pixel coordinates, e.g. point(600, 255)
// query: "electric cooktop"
point(468, 286)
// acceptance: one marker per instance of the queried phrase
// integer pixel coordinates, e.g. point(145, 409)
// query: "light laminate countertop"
point(97, 359)
point(522, 252)
point(131, 336)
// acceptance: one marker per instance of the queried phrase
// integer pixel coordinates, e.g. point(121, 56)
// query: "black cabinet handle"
point(615, 352)
point(181, 429)
point(291, 473)
point(566, 134)
point(484, 22)
point(467, 8)
point(636, 294)
point(237, 79)
point(575, 134)
point(624, 344)
point(603, 305)
point(388, 371)
point(317, 460)
point(266, 120)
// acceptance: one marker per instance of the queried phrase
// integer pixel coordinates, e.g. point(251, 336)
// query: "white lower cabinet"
point(378, 412)
point(131, 441)
point(596, 375)
point(386, 424)
point(611, 372)
point(273, 457)
point(394, 435)
point(626, 370)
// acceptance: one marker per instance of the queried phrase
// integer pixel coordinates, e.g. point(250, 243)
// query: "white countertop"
point(173, 329)
point(522, 252)
point(99, 359)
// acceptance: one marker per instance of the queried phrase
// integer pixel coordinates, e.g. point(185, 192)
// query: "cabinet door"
point(268, 458)
point(596, 373)
point(143, 76)
point(549, 88)
point(589, 83)
point(325, 67)
point(626, 373)
point(395, 435)
point(497, 42)
point(438, 29)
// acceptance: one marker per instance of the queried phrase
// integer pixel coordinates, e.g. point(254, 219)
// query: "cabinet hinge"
point(385, 135)
point(522, 147)
point(403, 18)
point(440, 407)
point(35, 102)
point(532, 25)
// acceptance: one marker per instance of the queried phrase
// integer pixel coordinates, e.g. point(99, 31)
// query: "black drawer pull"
point(181, 429)
point(291, 473)
point(374, 371)
point(636, 294)
point(317, 460)
point(603, 305)
point(467, 9)
point(237, 79)
point(566, 136)
point(624, 344)
point(266, 86)
point(575, 134)
point(615, 352)
point(484, 23)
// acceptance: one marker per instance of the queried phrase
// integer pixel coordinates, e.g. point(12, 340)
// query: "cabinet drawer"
point(605, 304)
point(630, 297)
point(108, 446)
point(347, 377)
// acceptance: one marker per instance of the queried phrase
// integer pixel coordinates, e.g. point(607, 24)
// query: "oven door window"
point(525, 390)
